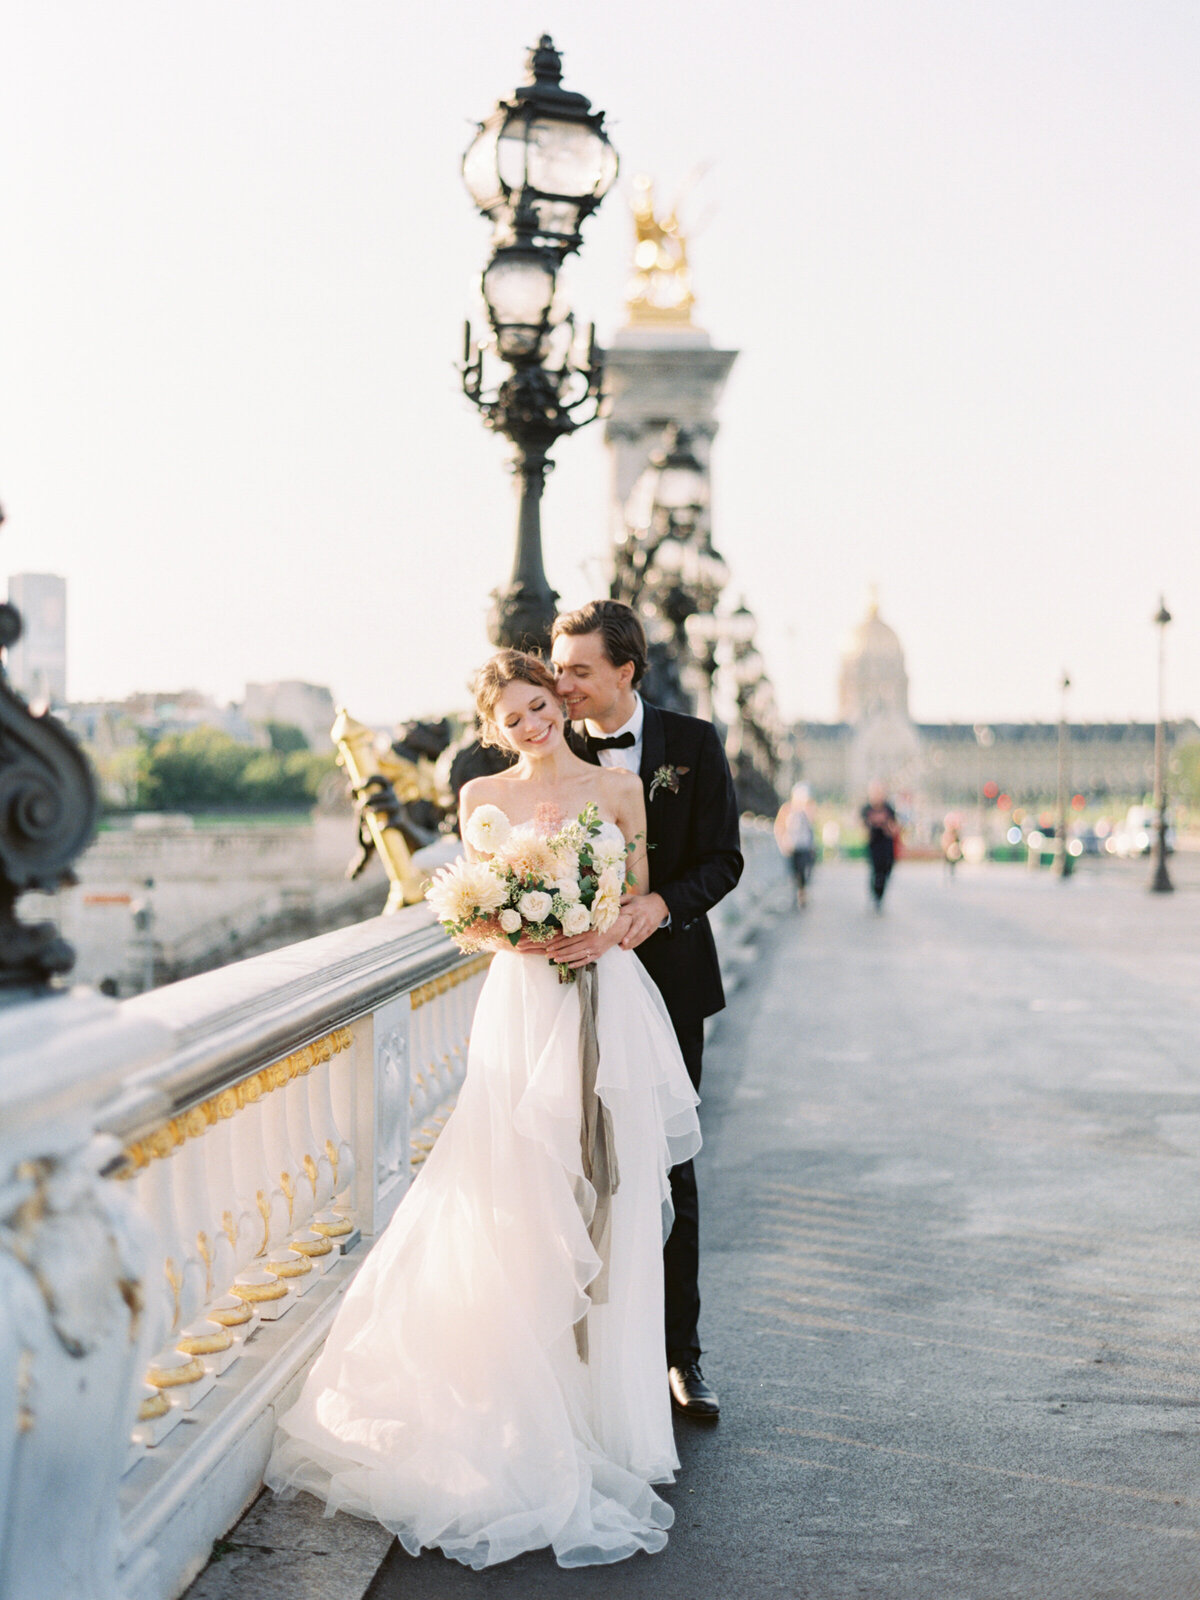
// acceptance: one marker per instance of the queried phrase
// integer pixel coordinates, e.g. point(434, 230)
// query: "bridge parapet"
point(185, 1179)
point(180, 1172)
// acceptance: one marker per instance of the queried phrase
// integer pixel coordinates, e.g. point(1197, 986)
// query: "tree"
point(286, 737)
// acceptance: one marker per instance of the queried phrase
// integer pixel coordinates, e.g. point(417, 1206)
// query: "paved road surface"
point(952, 1190)
point(953, 1233)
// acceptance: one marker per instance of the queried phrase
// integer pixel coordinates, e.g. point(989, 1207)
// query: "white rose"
point(510, 920)
point(487, 829)
point(535, 906)
point(607, 853)
point(568, 888)
point(576, 919)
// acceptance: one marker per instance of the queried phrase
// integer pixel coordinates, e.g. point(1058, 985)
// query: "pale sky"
point(957, 245)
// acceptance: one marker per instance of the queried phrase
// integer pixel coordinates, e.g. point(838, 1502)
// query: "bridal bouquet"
point(541, 879)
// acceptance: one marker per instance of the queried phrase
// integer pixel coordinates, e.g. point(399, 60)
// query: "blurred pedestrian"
point(796, 839)
point(952, 850)
point(883, 830)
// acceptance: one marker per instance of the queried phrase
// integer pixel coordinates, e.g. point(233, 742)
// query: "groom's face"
point(590, 687)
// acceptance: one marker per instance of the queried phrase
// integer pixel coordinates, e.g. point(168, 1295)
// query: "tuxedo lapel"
point(654, 744)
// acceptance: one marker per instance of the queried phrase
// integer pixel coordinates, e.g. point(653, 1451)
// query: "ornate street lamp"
point(1062, 855)
point(1161, 881)
point(705, 630)
point(667, 503)
point(545, 148)
point(538, 166)
point(49, 804)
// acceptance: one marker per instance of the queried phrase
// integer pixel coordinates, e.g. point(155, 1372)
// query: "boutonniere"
point(667, 777)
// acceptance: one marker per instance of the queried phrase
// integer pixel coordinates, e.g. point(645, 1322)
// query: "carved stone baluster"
point(232, 1214)
point(255, 1173)
point(330, 1102)
point(73, 1253)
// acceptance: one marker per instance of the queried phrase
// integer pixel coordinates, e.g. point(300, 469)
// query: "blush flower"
point(528, 855)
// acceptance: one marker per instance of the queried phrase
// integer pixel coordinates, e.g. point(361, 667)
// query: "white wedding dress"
point(450, 1403)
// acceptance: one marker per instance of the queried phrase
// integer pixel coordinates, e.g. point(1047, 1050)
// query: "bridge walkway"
point(952, 1192)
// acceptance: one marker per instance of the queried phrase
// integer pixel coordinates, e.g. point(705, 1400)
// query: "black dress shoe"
point(691, 1394)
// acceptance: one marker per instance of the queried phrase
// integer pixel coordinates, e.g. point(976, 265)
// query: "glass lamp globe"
point(518, 290)
point(545, 147)
point(681, 483)
point(740, 626)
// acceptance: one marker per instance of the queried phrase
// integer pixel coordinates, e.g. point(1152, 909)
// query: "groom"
point(599, 655)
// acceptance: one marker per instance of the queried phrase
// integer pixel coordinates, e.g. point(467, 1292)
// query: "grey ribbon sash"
point(597, 1146)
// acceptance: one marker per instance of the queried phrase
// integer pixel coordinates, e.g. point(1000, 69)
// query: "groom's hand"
point(647, 913)
point(586, 947)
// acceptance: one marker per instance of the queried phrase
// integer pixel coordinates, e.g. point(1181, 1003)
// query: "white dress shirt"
point(631, 756)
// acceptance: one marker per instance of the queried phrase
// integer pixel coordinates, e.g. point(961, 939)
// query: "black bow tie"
point(622, 741)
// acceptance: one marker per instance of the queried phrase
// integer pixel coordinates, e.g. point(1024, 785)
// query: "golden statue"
point(660, 292)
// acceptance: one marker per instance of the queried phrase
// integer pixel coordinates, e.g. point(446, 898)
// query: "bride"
point(472, 1395)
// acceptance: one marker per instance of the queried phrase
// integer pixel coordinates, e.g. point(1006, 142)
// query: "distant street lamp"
point(984, 740)
point(666, 503)
point(538, 166)
point(1062, 856)
point(1161, 881)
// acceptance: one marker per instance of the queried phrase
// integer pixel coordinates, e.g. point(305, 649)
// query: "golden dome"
point(873, 639)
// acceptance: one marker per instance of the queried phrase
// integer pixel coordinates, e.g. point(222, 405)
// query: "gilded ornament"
point(289, 1191)
point(310, 1172)
point(333, 1230)
point(264, 1211)
point(164, 1140)
point(154, 1405)
point(206, 1255)
point(172, 1377)
point(175, 1279)
point(253, 1293)
point(250, 1090)
point(205, 1344)
point(230, 1316)
point(296, 1267)
point(312, 1247)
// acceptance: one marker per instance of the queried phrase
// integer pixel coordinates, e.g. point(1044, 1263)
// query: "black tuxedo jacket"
point(695, 858)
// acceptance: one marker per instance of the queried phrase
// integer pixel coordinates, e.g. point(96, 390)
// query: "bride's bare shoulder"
point(487, 790)
point(620, 781)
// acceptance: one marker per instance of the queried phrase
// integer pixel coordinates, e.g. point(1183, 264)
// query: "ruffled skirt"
point(449, 1402)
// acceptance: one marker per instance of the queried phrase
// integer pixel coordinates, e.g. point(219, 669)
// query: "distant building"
point(307, 706)
point(37, 663)
point(940, 765)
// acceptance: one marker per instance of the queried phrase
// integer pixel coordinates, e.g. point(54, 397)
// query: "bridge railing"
point(187, 1180)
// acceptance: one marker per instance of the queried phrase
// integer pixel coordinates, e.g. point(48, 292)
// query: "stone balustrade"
point(188, 1182)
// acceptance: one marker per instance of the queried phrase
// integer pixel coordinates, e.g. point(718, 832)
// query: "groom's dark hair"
point(618, 625)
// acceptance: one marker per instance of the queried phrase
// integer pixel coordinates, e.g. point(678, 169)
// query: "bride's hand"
point(585, 948)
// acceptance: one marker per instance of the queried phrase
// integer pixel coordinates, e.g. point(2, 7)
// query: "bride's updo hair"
point(494, 676)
